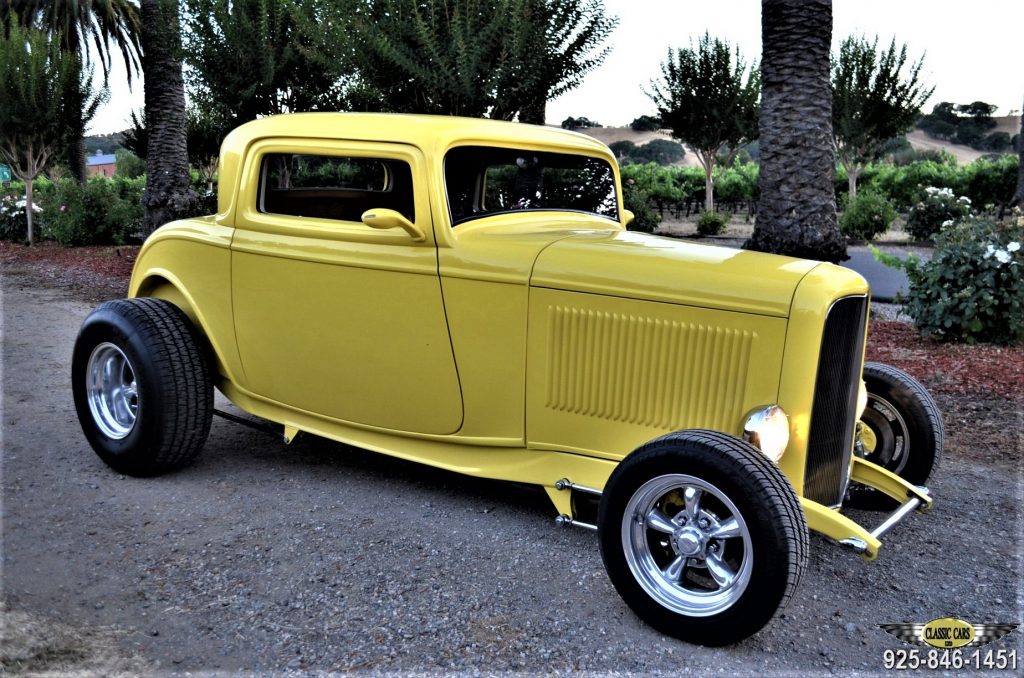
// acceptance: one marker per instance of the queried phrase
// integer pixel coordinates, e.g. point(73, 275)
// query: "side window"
point(334, 187)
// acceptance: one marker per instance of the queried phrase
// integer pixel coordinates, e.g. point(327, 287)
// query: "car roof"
point(433, 134)
point(429, 132)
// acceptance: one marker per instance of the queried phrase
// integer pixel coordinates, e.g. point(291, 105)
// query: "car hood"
point(640, 266)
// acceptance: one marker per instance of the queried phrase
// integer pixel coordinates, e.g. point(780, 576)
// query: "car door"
point(334, 317)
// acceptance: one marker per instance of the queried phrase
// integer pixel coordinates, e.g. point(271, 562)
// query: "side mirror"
point(383, 219)
point(627, 217)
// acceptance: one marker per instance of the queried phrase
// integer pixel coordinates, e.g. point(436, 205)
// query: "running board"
point(256, 425)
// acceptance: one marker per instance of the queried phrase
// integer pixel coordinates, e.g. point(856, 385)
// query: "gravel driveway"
point(323, 557)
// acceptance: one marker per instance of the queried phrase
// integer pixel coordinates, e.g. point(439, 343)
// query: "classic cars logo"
point(949, 632)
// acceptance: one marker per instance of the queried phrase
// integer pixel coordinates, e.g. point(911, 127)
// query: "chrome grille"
point(834, 410)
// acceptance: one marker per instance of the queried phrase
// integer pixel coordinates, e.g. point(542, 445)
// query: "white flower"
point(964, 199)
point(931, 190)
point(947, 223)
point(1002, 256)
point(989, 251)
point(1013, 247)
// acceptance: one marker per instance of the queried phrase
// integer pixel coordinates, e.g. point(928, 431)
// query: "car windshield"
point(482, 181)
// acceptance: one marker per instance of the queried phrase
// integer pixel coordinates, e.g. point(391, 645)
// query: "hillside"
point(919, 140)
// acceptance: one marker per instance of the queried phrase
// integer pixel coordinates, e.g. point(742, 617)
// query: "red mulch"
point(982, 369)
point(105, 261)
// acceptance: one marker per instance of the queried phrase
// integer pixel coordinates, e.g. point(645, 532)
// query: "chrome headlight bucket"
point(767, 429)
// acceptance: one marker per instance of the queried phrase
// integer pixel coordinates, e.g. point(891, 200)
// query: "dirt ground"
point(321, 557)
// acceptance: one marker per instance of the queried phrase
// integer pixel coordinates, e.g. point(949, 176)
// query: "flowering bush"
point(939, 209)
point(972, 289)
point(13, 221)
point(103, 212)
point(866, 216)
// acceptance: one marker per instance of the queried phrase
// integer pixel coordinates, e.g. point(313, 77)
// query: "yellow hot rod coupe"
point(464, 293)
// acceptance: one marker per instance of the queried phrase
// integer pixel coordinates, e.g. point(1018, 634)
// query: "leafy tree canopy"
point(478, 58)
point(646, 123)
point(581, 122)
point(709, 99)
point(38, 84)
point(876, 95)
point(249, 58)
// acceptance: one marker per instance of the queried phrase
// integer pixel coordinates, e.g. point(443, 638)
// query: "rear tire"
point(901, 431)
point(904, 423)
point(142, 386)
point(702, 536)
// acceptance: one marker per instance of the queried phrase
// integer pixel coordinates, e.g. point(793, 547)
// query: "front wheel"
point(702, 536)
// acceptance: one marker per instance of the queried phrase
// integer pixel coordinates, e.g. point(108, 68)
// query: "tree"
point(797, 210)
point(478, 58)
point(551, 46)
point(250, 58)
point(581, 122)
point(128, 165)
point(204, 132)
point(105, 24)
point(646, 123)
point(875, 96)
point(35, 79)
point(1018, 196)
point(169, 193)
point(709, 101)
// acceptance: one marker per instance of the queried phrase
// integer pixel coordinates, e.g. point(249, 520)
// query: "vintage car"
point(465, 294)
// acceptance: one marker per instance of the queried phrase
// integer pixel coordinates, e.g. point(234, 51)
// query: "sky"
point(971, 52)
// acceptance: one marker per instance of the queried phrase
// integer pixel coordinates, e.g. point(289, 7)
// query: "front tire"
point(141, 386)
point(702, 536)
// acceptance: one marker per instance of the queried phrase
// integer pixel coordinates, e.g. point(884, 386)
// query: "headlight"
point(767, 429)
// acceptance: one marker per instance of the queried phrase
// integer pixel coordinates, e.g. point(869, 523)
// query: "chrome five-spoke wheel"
point(687, 545)
point(702, 536)
point(111, 390)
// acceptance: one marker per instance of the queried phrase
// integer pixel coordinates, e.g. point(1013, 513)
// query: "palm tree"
point(797, 210)
point(169, 193)
point(108, 25)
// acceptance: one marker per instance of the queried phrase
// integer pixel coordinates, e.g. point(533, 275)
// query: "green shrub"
point(638, 201)
point(867, 216)
point(103, 212)
point(712, 223)
point(972, 289)
point(990, 183)
point(939, 209)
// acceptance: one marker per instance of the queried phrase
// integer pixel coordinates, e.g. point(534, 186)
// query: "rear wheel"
point(702, 536)
point(141, 386)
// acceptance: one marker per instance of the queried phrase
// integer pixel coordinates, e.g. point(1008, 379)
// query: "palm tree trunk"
point(169, 194)
point(797, 210)
point(1018, 196)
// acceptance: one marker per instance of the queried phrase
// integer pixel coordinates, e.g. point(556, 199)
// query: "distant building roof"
point(100, 159)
